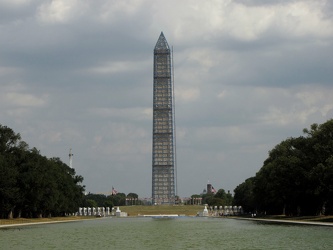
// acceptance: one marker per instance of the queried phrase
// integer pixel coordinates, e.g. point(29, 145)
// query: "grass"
point(189, 210)
point(37, 220)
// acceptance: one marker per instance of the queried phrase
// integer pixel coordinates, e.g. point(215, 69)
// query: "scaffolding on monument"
point(163, 155)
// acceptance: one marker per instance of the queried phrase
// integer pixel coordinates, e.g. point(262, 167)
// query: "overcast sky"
point(248, 74)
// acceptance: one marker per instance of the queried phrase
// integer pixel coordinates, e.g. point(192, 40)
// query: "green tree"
point(320, 141)
point(90, 203)
point(9, 192)
point(132, 195)
point(9, 140)
point(281, 182)
point(8, 188)
point(244, 196)
point(221, 194)
point(100, 199)
point(208, 199)
point(33, 185)
point(119, 199)
point(296, 177)
point(108, 203)
point(221, 198)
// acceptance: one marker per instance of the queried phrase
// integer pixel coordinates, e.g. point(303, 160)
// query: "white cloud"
point(298, 105)
point(61, 11)
point(114, 67)
point(222, 94)
point(294, 19)
point(111, 10)
point(313, 95)
point(17, 112)
point(134, 113)
point(8, 71)
point(184, 94)
point(317, 99)
point(18, 103)
point(206, 20)
point(52, 136)
point(215, 134)
point(24, 99)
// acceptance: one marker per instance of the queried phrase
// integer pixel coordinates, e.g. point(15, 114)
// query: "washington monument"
point(163, 160)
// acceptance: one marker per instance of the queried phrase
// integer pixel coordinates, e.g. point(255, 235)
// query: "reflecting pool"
point(178, 233)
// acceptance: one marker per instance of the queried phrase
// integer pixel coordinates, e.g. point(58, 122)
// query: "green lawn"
point(189, 210)
point(36, 220)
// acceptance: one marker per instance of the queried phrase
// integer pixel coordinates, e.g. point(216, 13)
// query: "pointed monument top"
point(162, 43)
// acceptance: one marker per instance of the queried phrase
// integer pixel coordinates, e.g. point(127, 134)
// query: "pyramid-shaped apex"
point(161, 43)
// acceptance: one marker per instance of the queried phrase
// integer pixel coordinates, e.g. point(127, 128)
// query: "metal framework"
point(163, 172)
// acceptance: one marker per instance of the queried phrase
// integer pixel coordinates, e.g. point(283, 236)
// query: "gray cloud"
point(248, 74)
point(263, 2)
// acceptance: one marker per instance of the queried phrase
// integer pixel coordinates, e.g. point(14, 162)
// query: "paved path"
point(317, 223)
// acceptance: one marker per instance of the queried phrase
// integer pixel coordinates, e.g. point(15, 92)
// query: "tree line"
point(296, 178)
point(102, 200)
point(32, 185)
point(220, 198)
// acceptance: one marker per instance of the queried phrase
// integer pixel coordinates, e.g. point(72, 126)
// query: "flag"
point(213, 190)
point(114, 192)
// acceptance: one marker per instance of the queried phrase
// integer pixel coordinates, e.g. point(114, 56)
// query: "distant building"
point(163, 150)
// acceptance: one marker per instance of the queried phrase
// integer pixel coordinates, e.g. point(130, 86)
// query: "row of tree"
point(102, 200)
point(296, 178)
point(220, 198)
point(32, 185)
